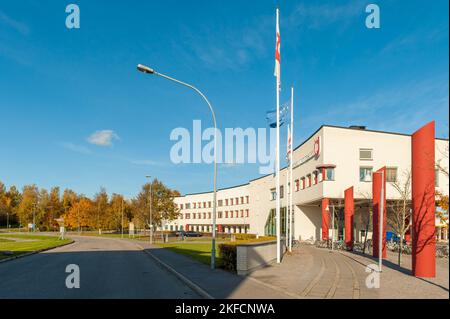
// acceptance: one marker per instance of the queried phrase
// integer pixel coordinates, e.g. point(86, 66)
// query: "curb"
point(34, 252)
point(181, 277)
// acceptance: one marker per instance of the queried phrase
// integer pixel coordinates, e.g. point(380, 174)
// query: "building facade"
point(324, 166)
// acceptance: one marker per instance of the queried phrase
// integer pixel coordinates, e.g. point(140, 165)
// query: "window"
point(273, 194)
point(246, 213)
point(226, 202)
point(220, 203)
point(231, 214)
point(209, 204)
point(308, 177)
point(242, 200)
point(226, 214)
point(436, 177)
point(188, 205)
point(329, 174)
point(303, 182)
point(209, 215)
point(204, 204)
point(188, 216)
point(231, 202)
point(199, 215)
point(247, 199)
point(204, 215)
point(195, 205)
point(391, 174)
point(219, 215)
point(181, 206)
point(242, 213)
point(237, 201)
point(365, 154)
point(365, 174)
point(281, 191)
point(316, 177)
point(194, 215)
point(297, 185)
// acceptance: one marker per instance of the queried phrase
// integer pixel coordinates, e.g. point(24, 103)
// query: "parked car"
point(188, 234)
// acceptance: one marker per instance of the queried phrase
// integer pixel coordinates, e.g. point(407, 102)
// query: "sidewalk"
point(312, 272)
point(217, 283)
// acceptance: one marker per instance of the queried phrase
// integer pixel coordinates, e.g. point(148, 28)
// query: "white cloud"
point(103, 138)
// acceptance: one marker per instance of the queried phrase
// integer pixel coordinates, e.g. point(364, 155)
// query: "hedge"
point(227, 253)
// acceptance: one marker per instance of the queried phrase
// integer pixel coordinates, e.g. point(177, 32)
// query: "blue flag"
point(285, 114)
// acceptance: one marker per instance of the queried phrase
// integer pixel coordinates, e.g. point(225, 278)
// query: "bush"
point(244, 236)
point(227, 254)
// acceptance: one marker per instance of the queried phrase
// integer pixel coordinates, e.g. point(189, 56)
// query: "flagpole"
point(277, 166)
point(286, 221)
point(290, 169)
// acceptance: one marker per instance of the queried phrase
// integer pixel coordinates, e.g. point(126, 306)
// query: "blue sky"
point(58, 87)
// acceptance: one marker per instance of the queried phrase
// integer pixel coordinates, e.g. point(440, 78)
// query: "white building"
point(331, 160)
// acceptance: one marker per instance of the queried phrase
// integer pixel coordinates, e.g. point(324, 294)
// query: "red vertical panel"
point(325, 218)
point(423, 202)
point(377, 182)
point(219, 228)
point(349, 213)
point(187, 227)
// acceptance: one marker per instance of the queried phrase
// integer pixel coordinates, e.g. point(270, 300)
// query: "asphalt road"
point(109, 268)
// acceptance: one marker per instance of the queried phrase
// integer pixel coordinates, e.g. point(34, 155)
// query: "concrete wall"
point(256, 255)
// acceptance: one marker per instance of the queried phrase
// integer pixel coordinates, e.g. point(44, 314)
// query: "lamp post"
point(150, 216)
point(147, 70)
point(380, 222)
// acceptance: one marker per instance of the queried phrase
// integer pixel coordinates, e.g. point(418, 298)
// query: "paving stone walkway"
point(311, 272)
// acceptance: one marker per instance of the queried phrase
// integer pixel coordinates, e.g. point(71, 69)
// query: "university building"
point(325, 165)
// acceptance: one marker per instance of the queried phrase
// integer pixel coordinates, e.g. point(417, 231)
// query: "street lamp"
point(151, 217)
point(147, 70)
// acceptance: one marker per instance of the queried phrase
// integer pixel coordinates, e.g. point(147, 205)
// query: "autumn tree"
point(28, 207)
point(79, 215)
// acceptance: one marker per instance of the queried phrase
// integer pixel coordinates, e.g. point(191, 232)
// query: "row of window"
point(228, 202)
point(243, 213)
point(325, 174)
point(366, 172)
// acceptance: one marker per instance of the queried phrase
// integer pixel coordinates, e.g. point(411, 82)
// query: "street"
point(109, 268)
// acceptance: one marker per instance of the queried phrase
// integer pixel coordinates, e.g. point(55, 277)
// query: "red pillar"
point(187, 227)
point(377, 181)
point(423, 202)
point(349, 213)
point(325, 218)
point(219, 228)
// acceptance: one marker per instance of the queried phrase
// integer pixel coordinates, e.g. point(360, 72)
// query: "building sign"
point(314, 153)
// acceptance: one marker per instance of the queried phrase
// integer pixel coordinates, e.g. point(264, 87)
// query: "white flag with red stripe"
point(277, 49)
point(289, 141)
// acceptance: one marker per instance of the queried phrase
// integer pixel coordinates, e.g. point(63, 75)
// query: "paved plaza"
point(311, 272)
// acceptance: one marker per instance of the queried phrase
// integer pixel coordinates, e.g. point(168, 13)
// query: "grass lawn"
point(36, 242)
point(201, 251)
point(198, 251)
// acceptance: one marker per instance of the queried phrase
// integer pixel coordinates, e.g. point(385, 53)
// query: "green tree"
point(163, 206)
